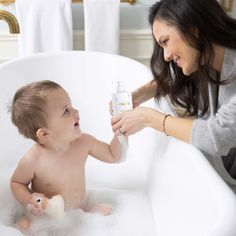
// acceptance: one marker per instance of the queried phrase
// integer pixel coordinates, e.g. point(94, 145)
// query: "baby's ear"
point(41, 134)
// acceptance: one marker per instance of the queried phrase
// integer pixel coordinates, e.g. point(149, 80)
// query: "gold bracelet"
point(163, 124)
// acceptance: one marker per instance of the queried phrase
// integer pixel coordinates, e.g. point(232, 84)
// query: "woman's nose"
point(167, 55)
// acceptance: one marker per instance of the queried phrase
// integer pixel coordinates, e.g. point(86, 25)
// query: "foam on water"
point(131, 215)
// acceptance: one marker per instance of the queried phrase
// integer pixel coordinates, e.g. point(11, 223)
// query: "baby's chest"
point(61, 172)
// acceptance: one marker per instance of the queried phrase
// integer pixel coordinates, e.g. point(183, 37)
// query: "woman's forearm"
point(179, 128)
point(144, 93)
point(174, 126)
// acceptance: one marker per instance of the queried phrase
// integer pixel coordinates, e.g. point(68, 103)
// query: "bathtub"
point(164, 188)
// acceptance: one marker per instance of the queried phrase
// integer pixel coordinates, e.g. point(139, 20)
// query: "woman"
point(194, 63)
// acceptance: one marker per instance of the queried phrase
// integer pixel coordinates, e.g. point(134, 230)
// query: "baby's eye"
point(66, 111)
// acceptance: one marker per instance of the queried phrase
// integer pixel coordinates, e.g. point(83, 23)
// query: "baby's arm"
point(20, 180)
point(103, 151)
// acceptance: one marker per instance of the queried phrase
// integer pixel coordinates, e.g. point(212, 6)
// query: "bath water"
point(131, 215)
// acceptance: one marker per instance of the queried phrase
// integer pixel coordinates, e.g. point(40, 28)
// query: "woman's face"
point(175, 48)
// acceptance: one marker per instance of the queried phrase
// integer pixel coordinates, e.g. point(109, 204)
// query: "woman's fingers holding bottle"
point(115, 122)
point(130, 122)
point(118, 126)
point(116, 119)
point(119, 129)
point(111, 108)
point(122, 124)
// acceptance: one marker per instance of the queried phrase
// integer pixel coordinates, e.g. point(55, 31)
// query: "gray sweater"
point(215, 133)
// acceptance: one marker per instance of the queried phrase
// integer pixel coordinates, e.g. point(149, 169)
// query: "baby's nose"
point(76, 112)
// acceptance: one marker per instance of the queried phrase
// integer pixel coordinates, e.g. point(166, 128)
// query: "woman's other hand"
point(111, 108)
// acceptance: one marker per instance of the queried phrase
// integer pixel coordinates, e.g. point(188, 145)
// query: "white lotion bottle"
point(122, 101)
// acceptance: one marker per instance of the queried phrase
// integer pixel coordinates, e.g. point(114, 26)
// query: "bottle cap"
point(120, 87)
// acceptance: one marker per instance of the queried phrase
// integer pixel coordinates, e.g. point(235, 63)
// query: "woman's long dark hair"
point(214, 26)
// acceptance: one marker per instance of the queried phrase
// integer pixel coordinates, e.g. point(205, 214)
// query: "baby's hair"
point(29, 108)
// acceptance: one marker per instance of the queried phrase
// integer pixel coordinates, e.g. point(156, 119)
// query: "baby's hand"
point(37, 204)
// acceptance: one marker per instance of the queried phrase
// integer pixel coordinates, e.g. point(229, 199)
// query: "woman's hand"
point(130, 122)
point(111, 108)
point(38, 204)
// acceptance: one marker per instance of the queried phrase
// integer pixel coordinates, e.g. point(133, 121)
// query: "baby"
point(55, 164)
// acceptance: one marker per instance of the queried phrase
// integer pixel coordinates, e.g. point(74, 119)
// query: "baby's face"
point(63, 119)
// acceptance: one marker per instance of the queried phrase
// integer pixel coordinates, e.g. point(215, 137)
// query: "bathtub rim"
point(69, 52)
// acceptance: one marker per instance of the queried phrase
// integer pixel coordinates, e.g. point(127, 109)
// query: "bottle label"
point(122, 102)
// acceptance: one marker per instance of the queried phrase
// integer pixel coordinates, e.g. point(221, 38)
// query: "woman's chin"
point(187, 72)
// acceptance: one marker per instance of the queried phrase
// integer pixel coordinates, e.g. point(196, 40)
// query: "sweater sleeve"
point(216, 135)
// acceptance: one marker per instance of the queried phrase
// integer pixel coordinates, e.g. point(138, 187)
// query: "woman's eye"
point(164, 42)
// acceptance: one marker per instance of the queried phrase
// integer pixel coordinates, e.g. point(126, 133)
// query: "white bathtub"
point(177, 192)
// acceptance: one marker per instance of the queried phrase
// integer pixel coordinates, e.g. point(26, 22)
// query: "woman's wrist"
point(180, 128)
point(154, 119)
point(164, 124)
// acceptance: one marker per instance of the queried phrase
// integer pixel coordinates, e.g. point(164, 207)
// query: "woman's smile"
point(175, 47)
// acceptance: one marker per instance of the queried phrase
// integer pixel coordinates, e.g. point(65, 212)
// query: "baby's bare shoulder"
point(32, 155)
point(85, 139)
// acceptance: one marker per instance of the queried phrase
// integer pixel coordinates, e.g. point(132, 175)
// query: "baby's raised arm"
point(102, 151)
